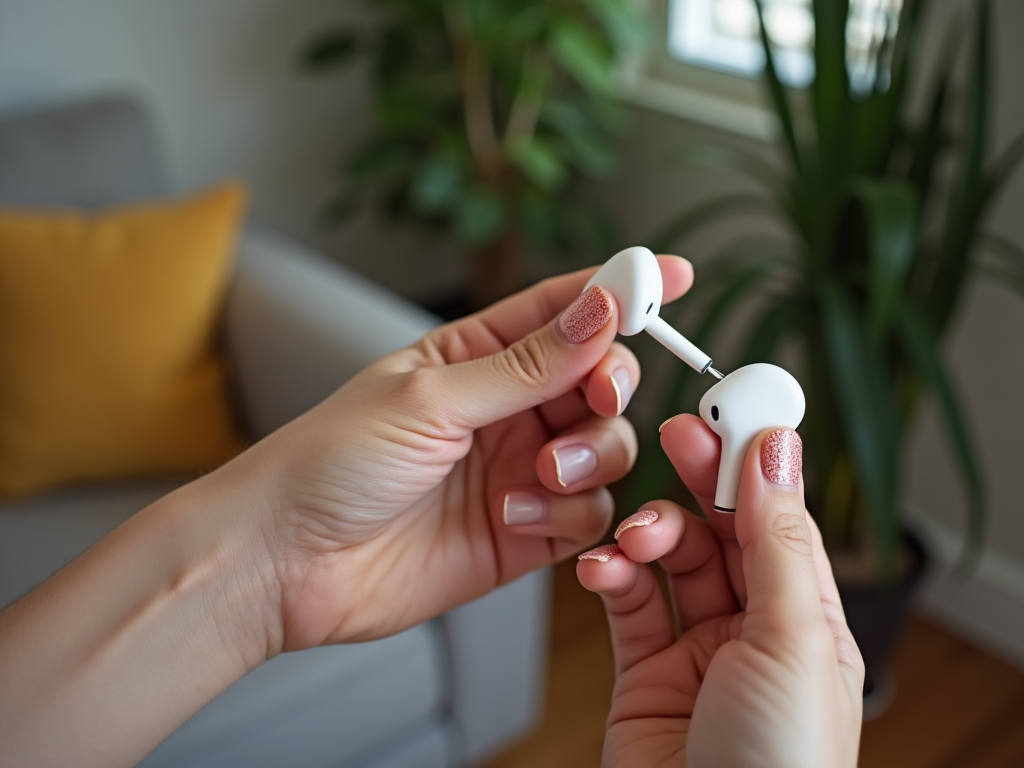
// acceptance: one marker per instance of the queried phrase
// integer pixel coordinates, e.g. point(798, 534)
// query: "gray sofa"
point(447, 693)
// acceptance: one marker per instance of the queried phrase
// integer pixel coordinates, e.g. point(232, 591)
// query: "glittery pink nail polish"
point(643, 517)
point(602, 554)
point(782, 457)
point(587, 315)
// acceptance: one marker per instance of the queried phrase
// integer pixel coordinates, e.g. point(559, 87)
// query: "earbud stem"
point(729, 470)
point(678, 344)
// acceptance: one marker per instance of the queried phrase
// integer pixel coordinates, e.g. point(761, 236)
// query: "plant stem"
point(522, 118)
point(496, 270)
point(475, 76)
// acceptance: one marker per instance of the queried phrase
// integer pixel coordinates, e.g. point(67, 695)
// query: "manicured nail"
point(602, 554)
point(623, 386)
point(643, 517)
point(574, 463)
point(782, 457)
point(587, 315)
point(522, 508)
point(666, 421)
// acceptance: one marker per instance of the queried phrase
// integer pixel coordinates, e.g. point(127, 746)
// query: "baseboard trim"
point(988, 607)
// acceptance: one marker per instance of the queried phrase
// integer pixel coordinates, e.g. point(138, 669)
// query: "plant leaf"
point(890, 210)
point(1010, 268)
point(739, 286)
point(539, 161)
point(867, 412)
point(830, 88)
point(777, 92)
point(380, 157)
point(1004, 248)
point(923, 350)
point(584, 57)
point(622, 22)
point(770, 327)
point(966, 205)
point(436, 184)
point(583, 228)
point(331, 49)
point(479, 217)
point(930, 140)
point(1001, 170)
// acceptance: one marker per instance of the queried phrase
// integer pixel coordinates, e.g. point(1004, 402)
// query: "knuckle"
point(417, 388)
point(793, 532)
point(527, 360)
point(849, 655)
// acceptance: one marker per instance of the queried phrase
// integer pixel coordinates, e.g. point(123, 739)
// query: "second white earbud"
point(633, 277)
point(746, 402)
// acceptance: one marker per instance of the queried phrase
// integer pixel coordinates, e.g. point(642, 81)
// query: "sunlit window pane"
point(724, 34)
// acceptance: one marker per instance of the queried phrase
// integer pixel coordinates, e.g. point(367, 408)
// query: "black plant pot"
point(877, 615)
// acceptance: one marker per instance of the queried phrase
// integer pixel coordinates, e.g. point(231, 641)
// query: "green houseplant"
point(485, 114)
point(883, 217)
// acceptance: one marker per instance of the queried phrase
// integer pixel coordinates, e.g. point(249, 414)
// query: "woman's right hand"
point(764, 671)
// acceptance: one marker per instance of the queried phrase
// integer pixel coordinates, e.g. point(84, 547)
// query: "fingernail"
point(666, 421)
point(587, 315)
point(574, 463)
point(522, 508)
point(643, 517)
point(623, 386)
point(602, 554)
point(782, 457)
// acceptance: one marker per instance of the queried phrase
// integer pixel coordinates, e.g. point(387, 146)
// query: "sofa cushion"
point(42, 534)
point(88, 155)
point(328, 704)
point(107, 330)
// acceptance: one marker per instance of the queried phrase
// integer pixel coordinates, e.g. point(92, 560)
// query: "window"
point(725, 35)
point(709, 58)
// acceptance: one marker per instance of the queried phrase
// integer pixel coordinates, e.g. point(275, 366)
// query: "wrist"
point(221, 525)
point(160, 616)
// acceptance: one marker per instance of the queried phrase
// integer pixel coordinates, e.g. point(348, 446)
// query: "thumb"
point(775, 538)
point(539, 367)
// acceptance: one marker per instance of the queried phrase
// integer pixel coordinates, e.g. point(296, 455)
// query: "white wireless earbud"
point(746, 402)
point(633, 277)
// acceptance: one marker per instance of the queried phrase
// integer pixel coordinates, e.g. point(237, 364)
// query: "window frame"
point(652, 78)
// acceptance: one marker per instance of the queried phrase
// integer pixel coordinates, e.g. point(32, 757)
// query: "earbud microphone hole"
point(714, 412)
point(649, 308)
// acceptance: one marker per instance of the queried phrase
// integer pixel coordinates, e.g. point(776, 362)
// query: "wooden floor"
point(955, 706)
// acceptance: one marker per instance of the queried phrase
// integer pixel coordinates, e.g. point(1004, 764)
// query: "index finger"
point(515, 317)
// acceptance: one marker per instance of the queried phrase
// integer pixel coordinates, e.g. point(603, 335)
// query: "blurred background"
point(605, 124)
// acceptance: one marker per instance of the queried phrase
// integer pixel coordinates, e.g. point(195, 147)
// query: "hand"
point(764, 671)
point(433, 476)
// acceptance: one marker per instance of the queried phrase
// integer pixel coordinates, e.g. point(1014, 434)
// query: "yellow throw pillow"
point(109, 366)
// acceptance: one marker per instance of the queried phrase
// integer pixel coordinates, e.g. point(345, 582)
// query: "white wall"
point(221, 79)
point(229, 100)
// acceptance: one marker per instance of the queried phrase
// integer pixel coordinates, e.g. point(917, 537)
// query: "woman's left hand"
point(451, 467)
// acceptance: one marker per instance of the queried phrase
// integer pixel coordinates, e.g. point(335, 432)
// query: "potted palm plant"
point(880, 241)
point(485, 114)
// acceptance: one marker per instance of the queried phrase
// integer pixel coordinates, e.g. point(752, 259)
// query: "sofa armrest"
point(298, 326)
point(498, 648)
